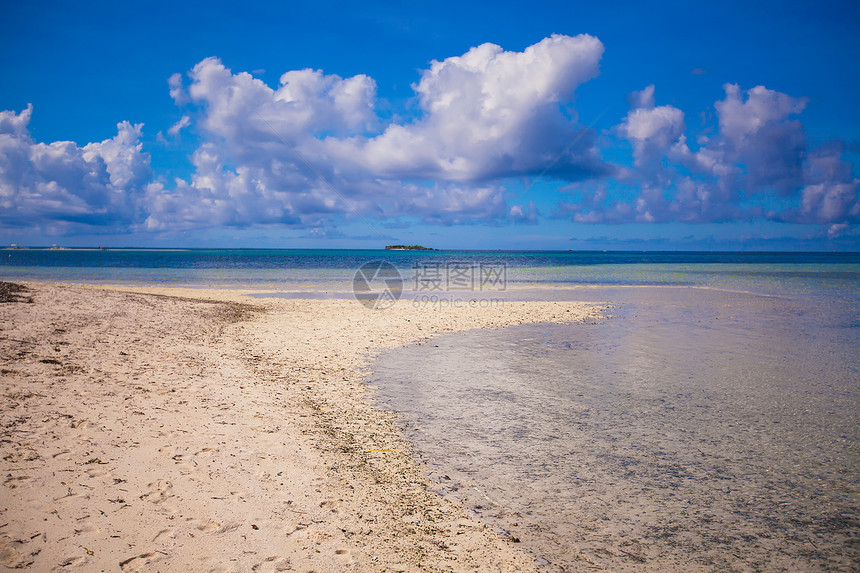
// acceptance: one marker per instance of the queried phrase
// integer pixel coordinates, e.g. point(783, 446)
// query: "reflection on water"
point(696, 429)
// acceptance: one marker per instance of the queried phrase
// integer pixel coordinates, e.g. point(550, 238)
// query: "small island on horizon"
point(407, 248)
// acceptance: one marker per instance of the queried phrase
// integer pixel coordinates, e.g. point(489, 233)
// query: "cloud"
point(177, 91)
point(651, 130)
point(314, 148)
point(60, 184)
point(759, 135)
point(524, 213)
point(644, 99)
point(314, 151)
point(741, 120)
point(451, 203)
point(831, 192)
point(179, 126)
point(759, 165)
point(323, 233)
point(244, 111)
point(491, 114)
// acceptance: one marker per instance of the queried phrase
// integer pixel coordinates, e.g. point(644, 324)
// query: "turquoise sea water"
point(314, 270)
point(711, 423)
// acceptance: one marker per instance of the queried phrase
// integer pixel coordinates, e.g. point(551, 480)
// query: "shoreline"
point(148, 427)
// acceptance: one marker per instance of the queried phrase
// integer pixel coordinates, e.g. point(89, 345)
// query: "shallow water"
point(695, 429)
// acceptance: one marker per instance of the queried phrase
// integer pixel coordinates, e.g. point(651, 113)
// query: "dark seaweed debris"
point(11, 292)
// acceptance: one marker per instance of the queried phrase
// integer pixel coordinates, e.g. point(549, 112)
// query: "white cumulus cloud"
point(490, 114)
point(651, 130)
point(314, 151)
point(98, 184)
point(314, 147)
point(759, 157)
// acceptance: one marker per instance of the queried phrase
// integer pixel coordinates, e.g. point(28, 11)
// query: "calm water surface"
point(696, 429)
point(310, 270)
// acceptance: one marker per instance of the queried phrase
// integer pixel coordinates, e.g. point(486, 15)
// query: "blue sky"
point(624, 125)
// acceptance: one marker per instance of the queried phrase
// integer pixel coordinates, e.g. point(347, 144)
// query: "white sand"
point(148, 432)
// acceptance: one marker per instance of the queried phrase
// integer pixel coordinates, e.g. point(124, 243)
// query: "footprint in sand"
point(169, 533)
point(17, 481)
point(271, 564)
point(71, 561)
point(139, 562)
point(159, 492)
point(97, 472)
point(179, 460)
point(331, 505)
point(344, 557)
point(86, 528)
point(62, 455)
point(9, 556)
point(212, 526)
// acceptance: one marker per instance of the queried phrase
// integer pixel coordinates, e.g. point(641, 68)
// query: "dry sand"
point(194, 430)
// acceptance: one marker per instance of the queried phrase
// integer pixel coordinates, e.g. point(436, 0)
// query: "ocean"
point(709, 422)
point(295, 270)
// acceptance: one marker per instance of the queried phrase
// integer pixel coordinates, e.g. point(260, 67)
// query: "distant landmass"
point(407, 248)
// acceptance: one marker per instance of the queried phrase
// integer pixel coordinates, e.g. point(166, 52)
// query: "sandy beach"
point(195, 430)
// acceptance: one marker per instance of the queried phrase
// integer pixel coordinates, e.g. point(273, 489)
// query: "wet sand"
point(194, 430)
